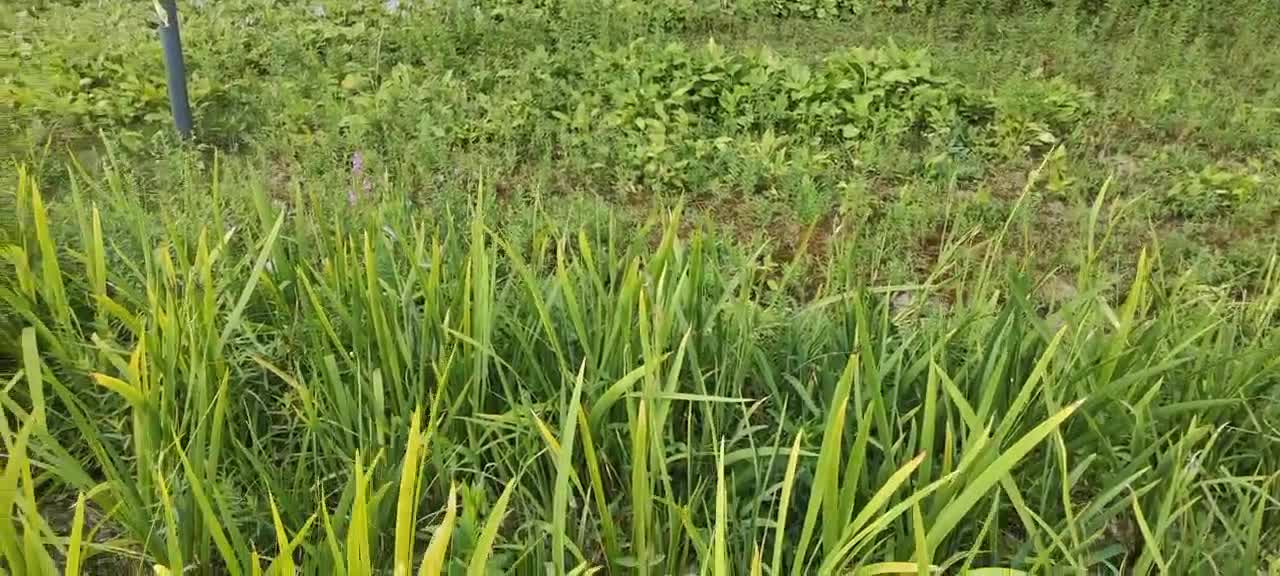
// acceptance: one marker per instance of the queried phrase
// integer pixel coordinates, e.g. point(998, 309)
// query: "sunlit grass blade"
point(51, 285)
point(358, 551)
point(918, 530)
point(434, 558)
point(199, 393)
point(173, 546)
point(879, 568)
point(407, 500)
point(75, 543)
point(10, 494)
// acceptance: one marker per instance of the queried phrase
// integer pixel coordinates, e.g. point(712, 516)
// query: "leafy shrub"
point(105, 72)
point(672, 107)
point(816, 8)
point(1034, 115)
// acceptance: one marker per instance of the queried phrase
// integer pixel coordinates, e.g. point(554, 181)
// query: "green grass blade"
point(641, 498)
point(564, 470)
point(33, 368)
point(608, 533)
point(784, 504)
point(211, 520)
point(922, 547)
point(264, 254)
point(484, 545)
point(951, 515)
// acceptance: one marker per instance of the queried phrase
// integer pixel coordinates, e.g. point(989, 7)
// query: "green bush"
point(74, 71)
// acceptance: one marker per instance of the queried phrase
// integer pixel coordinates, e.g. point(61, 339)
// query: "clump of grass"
point(351, 390)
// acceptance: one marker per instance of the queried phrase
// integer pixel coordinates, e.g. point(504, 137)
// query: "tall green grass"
point(224, 382)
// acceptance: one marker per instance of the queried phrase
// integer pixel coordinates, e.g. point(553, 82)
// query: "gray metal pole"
point(176, 69)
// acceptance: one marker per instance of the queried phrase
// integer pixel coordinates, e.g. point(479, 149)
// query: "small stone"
point(902, 300)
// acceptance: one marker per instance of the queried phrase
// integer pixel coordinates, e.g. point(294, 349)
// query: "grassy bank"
point(658, 288)
point(237, 394)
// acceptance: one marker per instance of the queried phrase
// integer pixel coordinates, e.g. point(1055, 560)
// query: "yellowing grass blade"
point(114, 309)
point(433, 559)
point(608, 533)
point(720, 550)
point(10, 477)
point(73, 544)
point(358, 557)
point(51, 286)
point(887, 568)
point(170, 513)
point(283, 563)
point(484, 545)
point(407, 500)
point(824, 495)
point(865, 517)
point(885, 492)
point(331, 542)
point(124, 389)
point(641, 501)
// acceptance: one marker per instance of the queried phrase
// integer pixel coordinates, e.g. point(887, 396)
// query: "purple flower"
point(357, 163)
point(358, 175)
